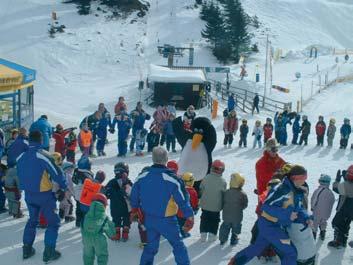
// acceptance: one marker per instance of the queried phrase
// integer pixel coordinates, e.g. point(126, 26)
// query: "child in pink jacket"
point(322, 202)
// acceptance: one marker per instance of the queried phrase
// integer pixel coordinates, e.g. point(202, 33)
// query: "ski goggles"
point(298, 177)
point(274, 149)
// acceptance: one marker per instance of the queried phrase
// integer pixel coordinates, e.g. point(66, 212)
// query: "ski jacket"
point(345, 131)
point(45, 128)
point(281, 202)
point(305, 128)
point(37, 170)
point(231, 103)
point(168, 128)
point(78, 178)
point(256, 100)
point(19, 146)
point(296, 126)
point(265, 167)
point(194, 200)
point(91, 121)
point(159, 192)
point(268, 130)
point(120, 107)
point(212, 189)
point(345, 190)
point(230, 124)
point(235, 201)
point(322, 202)
point(257, 132)
point(153, 138)
point(244, 130)
point(118, 194)
point(331, 131)
point(59, 138)
point(85, 138)
point(160, 116)
point(320, 128)
point(139, 118)
point(123, 123)
point(102, 125)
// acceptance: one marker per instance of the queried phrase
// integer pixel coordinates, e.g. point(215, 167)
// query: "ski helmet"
point(325, 179)
point(57, 158)
point(100, 176)
point(59, 127)
point(99, 197)
point(121, 168)
point(188, 179)
point(268, 120)
point(84, 163)
point(349, 174)
point(236, 180)
point(332, 121)
point(217, 166)
point(173, 165)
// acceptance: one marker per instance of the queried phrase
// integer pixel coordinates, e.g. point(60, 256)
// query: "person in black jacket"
point(152, 139)
point(255, 104)
point(118, 191)
point(305, 130)
point(244, 130)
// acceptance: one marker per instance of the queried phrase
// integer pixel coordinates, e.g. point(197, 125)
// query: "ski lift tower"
point(169, 51)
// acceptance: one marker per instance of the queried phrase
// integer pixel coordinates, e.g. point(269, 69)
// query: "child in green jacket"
point(95, 228)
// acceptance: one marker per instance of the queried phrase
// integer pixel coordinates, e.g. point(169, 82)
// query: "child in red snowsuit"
point(189, 181)
point(71, 146)
point(59, 136)
point(268, 130)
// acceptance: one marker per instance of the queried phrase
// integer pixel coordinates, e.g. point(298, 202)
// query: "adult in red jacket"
point(267, 165)
point(59, 136)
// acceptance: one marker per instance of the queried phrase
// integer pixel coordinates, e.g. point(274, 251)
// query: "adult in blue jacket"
point(101, 130)
point(123, 123)
point(296, 129)
point(283, 206)
point(159, 193)
point(36, 172)
point(138, 117)
point(45, 128)
point(19, 146)
point(345, 131)
point(231, 103)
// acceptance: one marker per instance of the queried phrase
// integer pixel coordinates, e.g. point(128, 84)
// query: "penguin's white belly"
point(194, 161)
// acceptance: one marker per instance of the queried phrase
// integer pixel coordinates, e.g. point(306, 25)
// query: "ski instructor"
point(36, 173)
point(159, 193)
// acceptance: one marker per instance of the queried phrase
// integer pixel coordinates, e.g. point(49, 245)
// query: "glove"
point(256, 192)
point(134, 215)
point(344, 173)
point(112, 131)
point(60, 195)
point(189, 224)
point(338, 176)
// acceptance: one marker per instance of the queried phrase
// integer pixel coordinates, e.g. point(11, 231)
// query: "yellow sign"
point(9, 77)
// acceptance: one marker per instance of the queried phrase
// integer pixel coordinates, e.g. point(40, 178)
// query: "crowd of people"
point(163, 202)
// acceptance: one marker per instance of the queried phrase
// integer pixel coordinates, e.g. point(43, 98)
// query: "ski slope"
point(98, 60)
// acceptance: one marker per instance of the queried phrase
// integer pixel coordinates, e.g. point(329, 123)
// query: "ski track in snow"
point(80, 67)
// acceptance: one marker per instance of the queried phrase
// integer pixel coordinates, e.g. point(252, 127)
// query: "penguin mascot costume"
point(196, 156)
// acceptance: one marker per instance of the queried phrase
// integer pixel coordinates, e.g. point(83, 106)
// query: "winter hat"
point(349, 174)
point(188, 179)
point(325, 180)
point(297, 173)
point(332, 121)
point(236, 180)
point(100, 176)
point(67, 165)
point(84, 163)
point(173, 165)
point(217, 167)
point(99, 197)
point(271, 145)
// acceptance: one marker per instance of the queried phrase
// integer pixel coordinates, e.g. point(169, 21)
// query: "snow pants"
point(45, 203)
point(66, 205)
point(320, 140)
point(79, 214)
point(242, 141)
point(209, 222)
point(13, 200)
point(295, 138)
point(140, 145)
point(167, 227)
point(122, 146)
point(268, 251)
point(343, 143)
point(226, 228)
point(170, 142)
point(257, 141)
point(133, 139)
point(121, 221)
point(319, 222)
point(329, 141)
point(101, 142)
point(2, 196)
point(341, 224)
point(304, 139)
point(70, 156)
point(228, 139)
point(253, 109)
point(95, 246)
point(269, 233)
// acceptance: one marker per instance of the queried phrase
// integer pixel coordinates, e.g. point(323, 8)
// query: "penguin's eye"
point(200, 131)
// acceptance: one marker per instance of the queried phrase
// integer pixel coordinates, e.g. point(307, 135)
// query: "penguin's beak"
point(196, 140)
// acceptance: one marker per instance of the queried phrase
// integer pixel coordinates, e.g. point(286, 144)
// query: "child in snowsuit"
point(169, 133)
point(345, 132)
point(235, 201)
point(85, 140)
point(305, 131)
point(59, 135)
point(230, 127)
point(118, 191)
point(257, 133)
point(296, 129)
point(94, 230)
point(344, 215)
point(320, 131)
point(281, 208)
point(244, 130)
point(12, 192)
point(331, 131)
point(322, 202)
point(71, 145)
point(66, 206)
point(212, 189)
point(140, 138)
point(189, 181)
point(123, 123)
point(152, 139)
point(81, 173)
point(268, 129)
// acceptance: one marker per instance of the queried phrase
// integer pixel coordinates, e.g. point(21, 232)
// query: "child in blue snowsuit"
point(101, 132)
point(345, 132)
point(138, 117)
point(296, 129)
point(283, 205)
point(124, 125)
point(169, 132)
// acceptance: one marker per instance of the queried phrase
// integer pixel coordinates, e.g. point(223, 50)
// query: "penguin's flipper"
point(181, 135)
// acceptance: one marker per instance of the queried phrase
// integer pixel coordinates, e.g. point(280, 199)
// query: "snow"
point(167, 75)
point(98, 60)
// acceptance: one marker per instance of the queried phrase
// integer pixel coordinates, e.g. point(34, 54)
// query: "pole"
point(266, 66)
point(271, 76)
point(301, 97)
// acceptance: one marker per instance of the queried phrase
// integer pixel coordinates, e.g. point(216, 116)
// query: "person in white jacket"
point(257, 133)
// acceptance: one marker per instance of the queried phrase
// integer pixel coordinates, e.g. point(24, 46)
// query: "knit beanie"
point(325, 180)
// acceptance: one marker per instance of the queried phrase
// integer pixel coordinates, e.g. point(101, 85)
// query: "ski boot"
point(203, 237)
point(3, 210)
point(234, 240)
point(322, 235)
point(125, 235)
point(50, 254)
point(314, 235)
point(351, 244)
point(61, 213)
point(117, 235)
point(212, 237)
point(18, 215)
point(69, 219)
point(336, 244)
point(27, 251)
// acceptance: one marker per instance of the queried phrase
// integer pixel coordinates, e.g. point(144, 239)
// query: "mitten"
point(189, 224)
